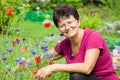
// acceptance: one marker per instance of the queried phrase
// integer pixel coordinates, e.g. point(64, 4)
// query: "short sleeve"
point(95, 40)
point(58, 48)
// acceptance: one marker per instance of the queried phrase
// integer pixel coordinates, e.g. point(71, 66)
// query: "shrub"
point(12, 13)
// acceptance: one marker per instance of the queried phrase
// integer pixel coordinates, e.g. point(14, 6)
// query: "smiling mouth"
point(67, 32)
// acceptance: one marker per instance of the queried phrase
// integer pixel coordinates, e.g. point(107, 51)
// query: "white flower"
point(38, 8)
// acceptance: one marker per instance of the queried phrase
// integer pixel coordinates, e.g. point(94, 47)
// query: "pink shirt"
point(91, 39)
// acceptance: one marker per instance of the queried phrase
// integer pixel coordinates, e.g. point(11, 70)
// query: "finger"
point(37, 75)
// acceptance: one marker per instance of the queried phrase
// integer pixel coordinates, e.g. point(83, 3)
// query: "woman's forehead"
point(66, 18)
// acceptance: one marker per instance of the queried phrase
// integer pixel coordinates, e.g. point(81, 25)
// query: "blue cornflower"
point(45, 41)
point(40, 54)
point(6, 42)
point(36, 44)
point(48, 55)
point(17, 60)
point(32, 49)
point(29, 63)
point(9, 50)
point(51, 35)
point(4, 59)
point(26, 45)
point(23, 39)
point(60, 34)
point(3, 53)
point(20, 60)
point(45, 48)
point(33, 52)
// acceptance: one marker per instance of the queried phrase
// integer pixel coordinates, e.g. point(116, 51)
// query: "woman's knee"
point(78, 76)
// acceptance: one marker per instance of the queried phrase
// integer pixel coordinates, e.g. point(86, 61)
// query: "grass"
point(34, 33)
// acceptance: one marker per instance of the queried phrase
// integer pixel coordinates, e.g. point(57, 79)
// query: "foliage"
point(112, 8)
point(112, 42)
point(12, 13)
point(91, 20)
point(38, 16)
point(46, 5)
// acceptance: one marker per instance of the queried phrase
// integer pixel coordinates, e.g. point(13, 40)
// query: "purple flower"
point(4, 59)
point(23, 39)
point(20, 61)
point(60, 34)
point(29, 63)
point(3, 53)
point(33, 52)
point(45, 41)
point(40, 54)
point(26, 45)
point(32, 49)
point(9, 50)
point(36, 44)
point(51, 35)
point(48, 55)
point(45, 48)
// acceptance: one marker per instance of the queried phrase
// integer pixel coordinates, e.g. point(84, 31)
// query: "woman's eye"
point(69, 22)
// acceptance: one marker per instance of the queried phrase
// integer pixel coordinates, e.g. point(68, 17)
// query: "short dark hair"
point(64, 10)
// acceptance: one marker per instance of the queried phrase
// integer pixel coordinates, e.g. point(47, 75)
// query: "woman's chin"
point(69, 36)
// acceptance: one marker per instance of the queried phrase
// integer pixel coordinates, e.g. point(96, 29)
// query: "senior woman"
point(85, 50)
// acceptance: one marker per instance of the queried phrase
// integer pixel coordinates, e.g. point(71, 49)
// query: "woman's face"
point(69, 26)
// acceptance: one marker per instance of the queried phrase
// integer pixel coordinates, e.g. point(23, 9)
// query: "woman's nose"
point(67, 26)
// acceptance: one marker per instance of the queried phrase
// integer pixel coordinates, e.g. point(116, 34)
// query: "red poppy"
point(9, 11)
point(35, 72)
point(37, 59)
point(47, 24)
point(48, 75)
point(16, 41)
point(51, 62)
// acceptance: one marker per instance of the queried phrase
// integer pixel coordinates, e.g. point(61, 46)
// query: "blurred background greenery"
point(100, 15)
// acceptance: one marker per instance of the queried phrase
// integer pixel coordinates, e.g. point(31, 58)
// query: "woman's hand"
point(44, 72)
